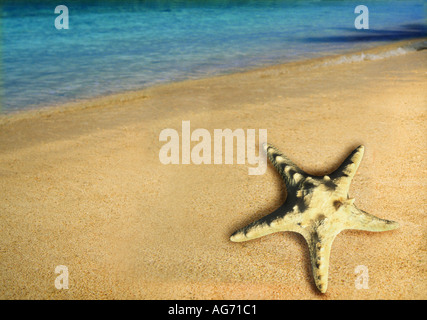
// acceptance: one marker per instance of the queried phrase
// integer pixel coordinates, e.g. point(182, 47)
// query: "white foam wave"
point(368, 56)
point(373, 56)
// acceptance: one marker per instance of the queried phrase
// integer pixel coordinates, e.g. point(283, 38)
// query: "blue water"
point(114, 46)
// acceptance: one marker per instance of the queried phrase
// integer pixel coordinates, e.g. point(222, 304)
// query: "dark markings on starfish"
point(316, 207)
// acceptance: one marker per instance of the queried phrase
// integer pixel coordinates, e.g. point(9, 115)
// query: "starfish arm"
point(361, 220)
point(320, 251)
point(274, 222)
point(344, 174)
point(289, 171)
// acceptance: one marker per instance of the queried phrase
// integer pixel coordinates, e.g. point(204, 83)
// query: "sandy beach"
point(81, 185)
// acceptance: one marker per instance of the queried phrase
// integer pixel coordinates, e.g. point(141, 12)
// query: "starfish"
point(317, 207)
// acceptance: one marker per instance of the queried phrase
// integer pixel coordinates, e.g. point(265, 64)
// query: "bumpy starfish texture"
point(318, 208)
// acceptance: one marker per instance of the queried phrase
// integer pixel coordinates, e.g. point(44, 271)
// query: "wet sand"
point(81, 185)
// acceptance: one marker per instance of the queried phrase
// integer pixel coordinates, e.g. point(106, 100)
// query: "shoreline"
point(82, 186)
point(100, 101)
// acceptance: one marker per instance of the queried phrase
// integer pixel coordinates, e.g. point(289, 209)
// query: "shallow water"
point(115, 46)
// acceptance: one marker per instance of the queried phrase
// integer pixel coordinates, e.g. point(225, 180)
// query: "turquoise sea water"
point(112, 46)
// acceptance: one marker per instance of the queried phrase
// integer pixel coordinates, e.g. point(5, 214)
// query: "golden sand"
point(82, 186)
